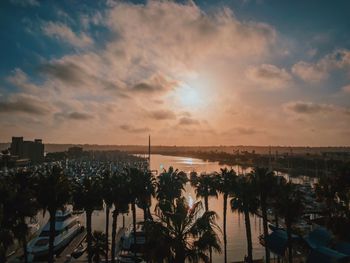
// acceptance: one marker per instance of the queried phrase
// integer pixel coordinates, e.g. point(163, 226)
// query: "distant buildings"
point(32, 150)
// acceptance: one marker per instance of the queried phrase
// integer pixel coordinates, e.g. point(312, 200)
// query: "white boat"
point(127, 240)
point(129, 253)
point(67, 227)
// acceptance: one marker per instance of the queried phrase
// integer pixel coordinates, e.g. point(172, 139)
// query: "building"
point(75, 152)
point(33, 150)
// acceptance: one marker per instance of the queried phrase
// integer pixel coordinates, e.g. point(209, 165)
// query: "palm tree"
point(24, 205)
point(53, 191)
point(107, 195)
point(170, 184)
point(264, 179)
point(290, 206)
point(121, 200)
point(6, 217)
point(147, 187)
point(226, 185)
point(98, 246)
point(206, 186)
point(87, 195)
point(245, 200)
point(180, 232)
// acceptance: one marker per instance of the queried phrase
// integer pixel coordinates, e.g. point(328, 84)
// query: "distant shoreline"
point(50, 147)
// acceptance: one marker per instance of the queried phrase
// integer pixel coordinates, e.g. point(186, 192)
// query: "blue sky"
point(76, 63)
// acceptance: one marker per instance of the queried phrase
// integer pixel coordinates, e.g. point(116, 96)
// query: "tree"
point(146, 190)
point(53, 191)
point(98, 246)
point(170, 184)
point(290, 206)
point(226, 185)
point(121, 200)
point(245, 200)
point(205, 187)
point(107, 195)
point(87, 195)
point(264, 179)
point(6, 217)
point(180, 232)
point(23, 204)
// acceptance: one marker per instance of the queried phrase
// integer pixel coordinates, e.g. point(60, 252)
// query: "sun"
point(190, 96)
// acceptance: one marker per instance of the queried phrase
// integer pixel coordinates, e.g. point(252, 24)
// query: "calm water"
point(236, 244)
point(236, 236)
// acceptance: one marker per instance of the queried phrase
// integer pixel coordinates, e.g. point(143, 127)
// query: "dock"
point(62, 258)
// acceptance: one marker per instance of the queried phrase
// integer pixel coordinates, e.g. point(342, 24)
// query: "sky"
point(221, 72)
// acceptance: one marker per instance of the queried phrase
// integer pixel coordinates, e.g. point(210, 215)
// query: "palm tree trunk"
point(25, 252)
point(89, 235)
point(249, 236)
point(206, 204)
point(114, 233)
point(52, 236)
point(107, 231)
point(265, 227)
point(133, 207)
point(290, 246)
point(225, 234)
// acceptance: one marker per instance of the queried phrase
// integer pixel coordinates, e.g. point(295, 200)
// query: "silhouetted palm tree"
point(107, 194)
point(226, 185)
point(87, 195)
point(53, 191)
point(264, 179)
point(98, 246)
point(121, 200)
point(170, 184)
point(290, 206)
point(180, 232)
point(147, 188)
point(245, 200)
point(205, 187)
point(6, 217)
point(24, 205)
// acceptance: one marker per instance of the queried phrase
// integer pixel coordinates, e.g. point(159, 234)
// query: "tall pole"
point(149, 151)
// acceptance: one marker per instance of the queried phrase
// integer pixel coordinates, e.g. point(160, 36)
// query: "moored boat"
point(67, 226)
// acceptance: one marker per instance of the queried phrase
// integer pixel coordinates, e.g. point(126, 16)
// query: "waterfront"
point(236, 247)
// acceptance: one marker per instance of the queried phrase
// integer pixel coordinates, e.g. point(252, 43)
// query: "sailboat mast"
point(149, 151)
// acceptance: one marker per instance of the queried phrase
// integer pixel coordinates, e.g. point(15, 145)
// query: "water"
point(236, 235)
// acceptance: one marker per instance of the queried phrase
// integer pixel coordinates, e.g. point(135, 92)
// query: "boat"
point(67, 226)
point(129, 252)
point(79, 251)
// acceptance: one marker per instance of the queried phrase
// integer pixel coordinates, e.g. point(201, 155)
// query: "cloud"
point(157, 83)
point(346, 89)
point(25, 3)
point(188, 121)
point(246, 130)
point(310, 72)
point(304, 107)
point(21, 103)
point(65, 34)
point(79, 116)
point(20, 79)
point(130, 128)
point(320, 70)
point(269, 76)
point(162, 115)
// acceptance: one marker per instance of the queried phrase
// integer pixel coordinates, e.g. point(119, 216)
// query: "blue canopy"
point(277, 241)
point(326, 255)
point(343, 247)
point(319, 237)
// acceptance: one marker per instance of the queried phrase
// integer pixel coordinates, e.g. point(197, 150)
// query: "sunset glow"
point(189, 73)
